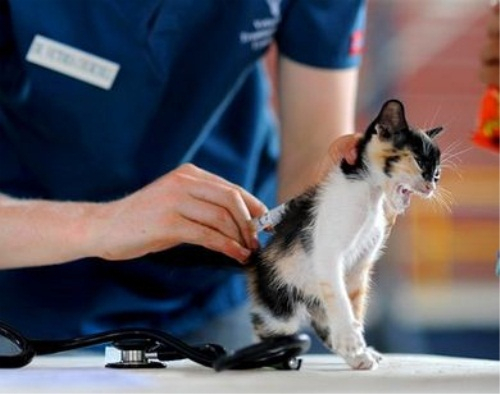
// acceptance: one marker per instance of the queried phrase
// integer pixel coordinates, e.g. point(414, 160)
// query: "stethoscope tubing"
point(273, 352)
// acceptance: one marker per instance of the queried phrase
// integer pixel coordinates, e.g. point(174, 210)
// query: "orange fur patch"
point(384, 150)
point(326, 290)
point(357, 298)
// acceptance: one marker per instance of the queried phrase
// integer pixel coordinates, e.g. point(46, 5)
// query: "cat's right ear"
point(434, 132)
point(391, 119)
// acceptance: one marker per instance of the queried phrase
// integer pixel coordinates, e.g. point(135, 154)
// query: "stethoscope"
point(149, 348)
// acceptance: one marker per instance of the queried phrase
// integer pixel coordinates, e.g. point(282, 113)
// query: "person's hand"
point(343, 147)
point(489, 54)
point(187, 205)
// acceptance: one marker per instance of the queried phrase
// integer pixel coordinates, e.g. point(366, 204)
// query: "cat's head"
point(406, 159)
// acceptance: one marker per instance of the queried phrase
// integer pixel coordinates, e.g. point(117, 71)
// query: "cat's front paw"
point(350, 344)
point(349, 341)
point(367, 359)
point(378, 356)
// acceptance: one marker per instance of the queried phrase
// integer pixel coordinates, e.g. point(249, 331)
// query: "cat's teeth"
point(405, 194)
point(403, 190)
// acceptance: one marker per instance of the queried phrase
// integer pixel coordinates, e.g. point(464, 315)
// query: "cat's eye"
point(420, 163)
point(437, 174)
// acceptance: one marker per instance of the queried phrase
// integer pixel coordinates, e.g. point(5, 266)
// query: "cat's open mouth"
point(403, 193)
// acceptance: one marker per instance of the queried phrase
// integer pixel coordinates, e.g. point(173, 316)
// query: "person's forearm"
point(316, 107)
point(36, 232)
point(186, 205)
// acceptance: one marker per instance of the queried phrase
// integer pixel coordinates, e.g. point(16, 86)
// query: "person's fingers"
point(230, 199)
point(197, 234)
point(213, 216)
point(242, 204)
point(488, 72)
point(490, 52)
point(493, 27)
point(254, 205)
point(490, 63)
point(489, 75)
point(344, 148)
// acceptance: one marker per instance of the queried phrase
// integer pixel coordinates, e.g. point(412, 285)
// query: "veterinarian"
point(137, 141)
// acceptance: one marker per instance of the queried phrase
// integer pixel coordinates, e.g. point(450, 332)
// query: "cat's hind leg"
point(268, 324)
point(277, 282)
point(277, 305)
point(320, 323)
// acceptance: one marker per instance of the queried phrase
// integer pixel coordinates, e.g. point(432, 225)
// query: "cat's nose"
point(428, 188)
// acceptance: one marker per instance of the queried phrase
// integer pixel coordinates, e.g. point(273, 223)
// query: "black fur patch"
point(280, 298)
point(323, 333)
point(389, 164)
point(256, 320)
point(426, 153)
point(356, 170)
point(298, 217)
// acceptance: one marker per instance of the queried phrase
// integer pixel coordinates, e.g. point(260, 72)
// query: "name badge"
point(72, 62)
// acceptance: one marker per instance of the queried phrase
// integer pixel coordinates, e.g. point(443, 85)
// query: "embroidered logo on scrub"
point(72, 62)
point(263, 29)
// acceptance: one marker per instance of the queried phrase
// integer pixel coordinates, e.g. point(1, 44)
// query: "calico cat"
point(317, 263)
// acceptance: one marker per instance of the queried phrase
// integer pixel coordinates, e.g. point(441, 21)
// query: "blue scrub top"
point(189, 88)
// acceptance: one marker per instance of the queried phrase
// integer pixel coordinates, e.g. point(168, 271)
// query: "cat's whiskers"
point(442, 199)
point(451, 157)
point(453, 152)
point(452, 168)
point(437, 111)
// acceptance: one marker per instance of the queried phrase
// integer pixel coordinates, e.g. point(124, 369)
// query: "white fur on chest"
point(350, 222)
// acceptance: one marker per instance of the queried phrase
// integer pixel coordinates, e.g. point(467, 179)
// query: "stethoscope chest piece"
point(133, 354)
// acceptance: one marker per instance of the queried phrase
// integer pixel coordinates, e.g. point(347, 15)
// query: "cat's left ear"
point(434, 132)
point(391, 119)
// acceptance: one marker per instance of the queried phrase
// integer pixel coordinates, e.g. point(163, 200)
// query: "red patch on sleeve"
point(357, 43)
